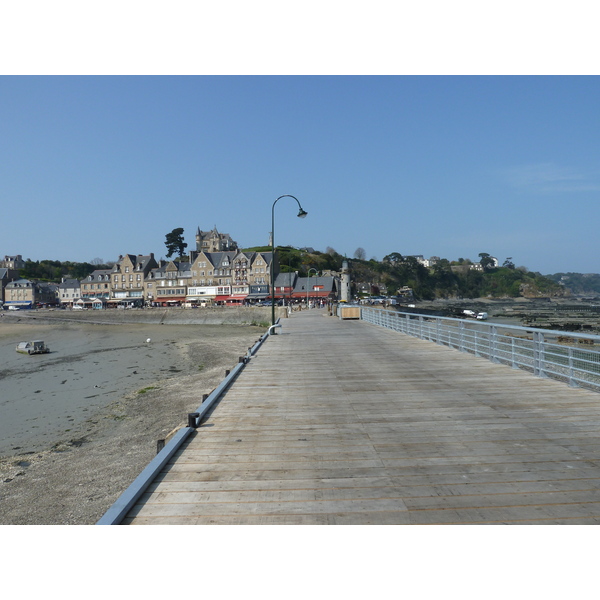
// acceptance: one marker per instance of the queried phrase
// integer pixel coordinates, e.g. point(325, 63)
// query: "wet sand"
point(77, 425)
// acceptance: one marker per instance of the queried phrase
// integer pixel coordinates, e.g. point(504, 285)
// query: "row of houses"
point(207, 278)
point(433, 260)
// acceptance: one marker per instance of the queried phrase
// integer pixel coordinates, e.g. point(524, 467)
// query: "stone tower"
point(345, 286)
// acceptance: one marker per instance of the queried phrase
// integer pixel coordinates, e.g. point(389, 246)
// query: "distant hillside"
point(443, 280)
point(585, 284)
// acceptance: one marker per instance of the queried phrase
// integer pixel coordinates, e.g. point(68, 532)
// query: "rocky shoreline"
point(83, 472)
point(563, 314)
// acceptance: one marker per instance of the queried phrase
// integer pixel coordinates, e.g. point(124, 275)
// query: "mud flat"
point(79, 424)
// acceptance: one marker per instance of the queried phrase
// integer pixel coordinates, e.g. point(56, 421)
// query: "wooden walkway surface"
point(343, 422)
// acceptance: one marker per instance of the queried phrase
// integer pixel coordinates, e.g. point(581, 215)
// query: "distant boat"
point(33, 347)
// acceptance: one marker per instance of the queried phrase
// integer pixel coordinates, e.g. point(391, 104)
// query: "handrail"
point(118, 511)
point(573, 358)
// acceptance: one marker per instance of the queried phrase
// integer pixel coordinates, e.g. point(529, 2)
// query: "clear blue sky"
point(449, 166)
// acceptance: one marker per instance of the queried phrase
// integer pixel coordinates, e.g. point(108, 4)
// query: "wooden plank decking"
point(343, 422)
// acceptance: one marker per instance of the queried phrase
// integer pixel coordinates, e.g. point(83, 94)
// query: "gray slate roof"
point(68, 284)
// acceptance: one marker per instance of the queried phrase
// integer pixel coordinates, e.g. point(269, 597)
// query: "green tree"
point(394, 258)
point(174, 242)
point(487, 262)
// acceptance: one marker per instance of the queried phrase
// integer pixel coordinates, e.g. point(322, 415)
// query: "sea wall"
point(222, 315)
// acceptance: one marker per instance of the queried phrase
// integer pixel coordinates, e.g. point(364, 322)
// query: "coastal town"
point(217, 273)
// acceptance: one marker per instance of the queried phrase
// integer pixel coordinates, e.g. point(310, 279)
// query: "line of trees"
point(55, 270)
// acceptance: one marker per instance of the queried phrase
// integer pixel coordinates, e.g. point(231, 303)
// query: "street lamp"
point(308, 284)
point(301, 214)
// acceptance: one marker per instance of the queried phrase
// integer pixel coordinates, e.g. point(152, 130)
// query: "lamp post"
point(301, 214)
point(308, 284)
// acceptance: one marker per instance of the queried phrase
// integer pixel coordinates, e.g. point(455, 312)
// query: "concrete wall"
point(225, 315)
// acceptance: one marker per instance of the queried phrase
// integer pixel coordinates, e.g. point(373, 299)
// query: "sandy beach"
point(77, 425)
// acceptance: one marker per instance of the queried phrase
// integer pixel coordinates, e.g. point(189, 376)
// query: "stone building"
point(69, 291)
point(168, 283)
point(13, 262)
point(25, 293)
point(128, 277)
point(6, 276)
point(96, 285)
point(230, 277)
point(213, 241)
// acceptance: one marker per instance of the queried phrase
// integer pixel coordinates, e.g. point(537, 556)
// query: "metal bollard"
point(160, 444)
point(193, 420)
point(204, 397)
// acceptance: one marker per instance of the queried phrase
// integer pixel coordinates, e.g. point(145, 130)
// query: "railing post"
point(538, 354)
point(494, 344)
point(572, 381)
point(513, 359)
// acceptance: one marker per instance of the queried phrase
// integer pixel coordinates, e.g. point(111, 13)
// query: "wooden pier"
point(343, 422)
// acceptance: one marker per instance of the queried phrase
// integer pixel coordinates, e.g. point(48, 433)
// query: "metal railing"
point(573, 358)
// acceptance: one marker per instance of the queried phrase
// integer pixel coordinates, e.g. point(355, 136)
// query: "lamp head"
point(302, 213)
